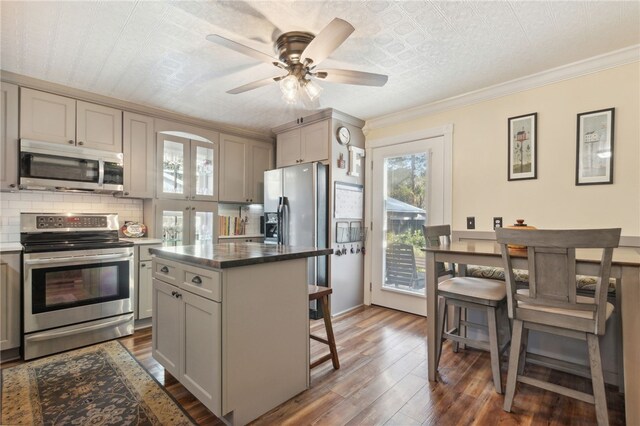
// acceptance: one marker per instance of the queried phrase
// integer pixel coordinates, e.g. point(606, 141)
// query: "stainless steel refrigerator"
point(295, 209)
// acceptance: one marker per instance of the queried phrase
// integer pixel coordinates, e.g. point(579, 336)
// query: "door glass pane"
point(173, 168)
point(204, 226)
point(204, 171)
point(405, 211)
point(172, 228)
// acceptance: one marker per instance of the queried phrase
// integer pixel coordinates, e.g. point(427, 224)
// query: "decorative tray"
point(133, 229)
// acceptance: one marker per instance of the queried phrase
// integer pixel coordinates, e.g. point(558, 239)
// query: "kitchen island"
point(230, 322)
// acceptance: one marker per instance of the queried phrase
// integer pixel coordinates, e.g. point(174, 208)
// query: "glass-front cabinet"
point(187, 168)
point(180, 223)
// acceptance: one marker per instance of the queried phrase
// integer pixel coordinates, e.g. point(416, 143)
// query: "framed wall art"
point(522, 160)
point(594, 147)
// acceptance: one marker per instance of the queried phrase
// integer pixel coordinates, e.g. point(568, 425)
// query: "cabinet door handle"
point(186, 208)
point(71, 142)
point(173, 293)
point(193, 208)
point(179, 295)
point(196, 280)
point(164, 269)
point(13, 185)
point(143, 264)
point(80, 143)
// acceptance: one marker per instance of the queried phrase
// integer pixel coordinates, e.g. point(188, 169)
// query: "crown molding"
point(83, 95)
point(595, 64)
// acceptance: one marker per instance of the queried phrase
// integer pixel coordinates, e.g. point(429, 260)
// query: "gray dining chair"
point(481, 294)
point(550, 303)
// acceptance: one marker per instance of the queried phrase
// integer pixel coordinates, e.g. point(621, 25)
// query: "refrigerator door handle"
point(280, 221)
point(285, 221)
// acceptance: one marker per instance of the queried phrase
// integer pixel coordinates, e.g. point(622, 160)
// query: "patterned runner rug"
point(101, 384)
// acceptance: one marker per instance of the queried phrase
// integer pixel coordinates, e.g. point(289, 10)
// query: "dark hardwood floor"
point(383, 380)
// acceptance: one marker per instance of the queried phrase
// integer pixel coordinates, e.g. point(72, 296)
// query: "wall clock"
point(343, 135)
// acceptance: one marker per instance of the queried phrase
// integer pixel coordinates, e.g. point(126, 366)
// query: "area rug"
point(97, 385)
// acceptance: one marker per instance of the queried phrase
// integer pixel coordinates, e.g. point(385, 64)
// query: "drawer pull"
point(164, 269)
point(196, 280)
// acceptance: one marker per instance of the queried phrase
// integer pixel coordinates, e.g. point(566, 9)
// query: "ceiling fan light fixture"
point(312, 89)
point(289, 87)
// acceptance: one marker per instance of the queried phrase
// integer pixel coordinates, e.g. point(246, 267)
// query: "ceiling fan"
point(299, 53)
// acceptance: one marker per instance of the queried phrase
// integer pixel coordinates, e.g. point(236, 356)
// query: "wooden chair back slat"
point(551, 256)
point(400, 264)
point(435, 236)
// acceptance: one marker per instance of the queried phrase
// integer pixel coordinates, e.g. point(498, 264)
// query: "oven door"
point(70, 287)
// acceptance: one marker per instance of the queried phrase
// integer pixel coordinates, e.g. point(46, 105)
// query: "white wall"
point(12, 204)
point(480, 186)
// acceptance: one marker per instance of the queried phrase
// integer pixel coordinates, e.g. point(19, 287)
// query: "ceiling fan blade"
point(254, 85)
point(241, 48)
point(328, 40)
point(352, 77)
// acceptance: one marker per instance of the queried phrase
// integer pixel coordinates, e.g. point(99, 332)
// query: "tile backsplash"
point(14, 203)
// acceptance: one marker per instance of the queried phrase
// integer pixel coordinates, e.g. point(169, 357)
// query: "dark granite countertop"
point(231, 255)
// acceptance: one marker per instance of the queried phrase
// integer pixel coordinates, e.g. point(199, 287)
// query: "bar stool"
point(322, 293)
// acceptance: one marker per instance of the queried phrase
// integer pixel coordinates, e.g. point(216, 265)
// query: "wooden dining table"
point(625, 268)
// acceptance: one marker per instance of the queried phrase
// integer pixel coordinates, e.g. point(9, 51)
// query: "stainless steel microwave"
point(51, 166)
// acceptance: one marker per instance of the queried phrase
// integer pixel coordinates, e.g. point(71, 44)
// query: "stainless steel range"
point(78, 281)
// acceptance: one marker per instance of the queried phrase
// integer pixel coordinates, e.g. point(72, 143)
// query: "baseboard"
point(142, 323)
point(9, 355)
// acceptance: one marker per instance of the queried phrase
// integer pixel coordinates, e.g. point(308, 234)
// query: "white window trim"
point(446, 132)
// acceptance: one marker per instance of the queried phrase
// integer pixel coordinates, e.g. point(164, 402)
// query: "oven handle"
point(57, 334)
point(51, 260)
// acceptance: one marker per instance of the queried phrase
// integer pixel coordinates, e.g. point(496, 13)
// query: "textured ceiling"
point(155, 53)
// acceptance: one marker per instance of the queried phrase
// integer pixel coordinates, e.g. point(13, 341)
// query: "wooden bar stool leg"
point(331, 339)
point(494, 347)
point(442, 319)
point(456, 325)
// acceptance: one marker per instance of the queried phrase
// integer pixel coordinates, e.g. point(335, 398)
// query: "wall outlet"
point(471, 222)
point(497, 222)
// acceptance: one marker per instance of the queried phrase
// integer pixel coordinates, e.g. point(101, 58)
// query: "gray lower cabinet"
point(187, 336)
point(144, 276)
point(10, 301)
point(207, 324)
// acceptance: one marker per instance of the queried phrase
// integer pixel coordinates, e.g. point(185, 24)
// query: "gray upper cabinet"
point(58, 119)
point(139, 156)
point(98, 127)
point(242, 166)
point(304, 144)
point(9, 137)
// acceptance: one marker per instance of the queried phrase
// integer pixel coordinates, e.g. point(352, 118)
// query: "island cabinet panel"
point(218, 317)
point(167, 326)
point(202, 366)
point(265, 306)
